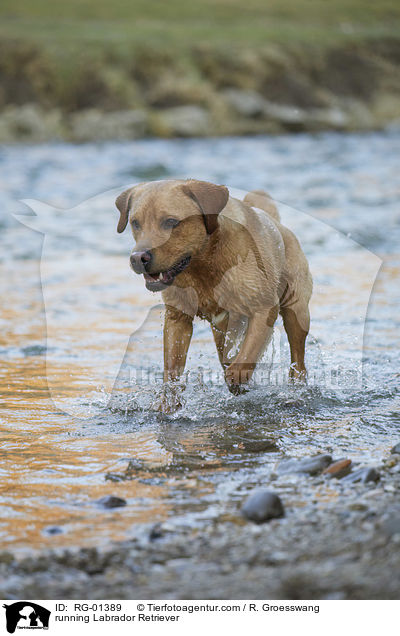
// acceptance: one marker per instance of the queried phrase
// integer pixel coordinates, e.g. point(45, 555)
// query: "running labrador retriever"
point(230, 262)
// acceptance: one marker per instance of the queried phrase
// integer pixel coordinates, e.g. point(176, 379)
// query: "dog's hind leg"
point(296, 321)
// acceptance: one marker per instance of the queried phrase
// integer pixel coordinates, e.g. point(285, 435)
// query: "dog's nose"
point(140, 261)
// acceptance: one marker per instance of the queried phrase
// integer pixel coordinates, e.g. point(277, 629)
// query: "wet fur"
point(244, 265)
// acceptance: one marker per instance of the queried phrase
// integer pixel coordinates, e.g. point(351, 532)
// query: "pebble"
point(111, 501)
point(114, 477)
point(338, 469)
point(390, 488)
point(358, 505)
point(309, 465)
point(262, 505)
point(156, 532)
point(52, 530)
point(362, 475)
point(396, 448)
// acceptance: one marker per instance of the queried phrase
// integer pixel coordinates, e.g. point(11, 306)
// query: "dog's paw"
point(238, 375)
point(297, 376)
point(167, 407)
point(169, 400)
point(237, 389)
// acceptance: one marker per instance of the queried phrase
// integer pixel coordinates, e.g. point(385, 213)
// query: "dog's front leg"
point(259, 332)
point(178, 329)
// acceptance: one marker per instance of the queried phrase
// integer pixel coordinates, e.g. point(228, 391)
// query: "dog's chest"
point(213, 313)
point(194, 300)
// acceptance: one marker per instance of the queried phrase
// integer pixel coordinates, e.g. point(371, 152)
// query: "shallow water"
point(78, 424)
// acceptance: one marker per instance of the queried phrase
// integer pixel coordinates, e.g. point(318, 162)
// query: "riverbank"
point(273, 90)
point(337, 540)
point(129, 71)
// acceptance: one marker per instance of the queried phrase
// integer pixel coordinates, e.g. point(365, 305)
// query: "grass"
point(178, 24)
point(77, 54)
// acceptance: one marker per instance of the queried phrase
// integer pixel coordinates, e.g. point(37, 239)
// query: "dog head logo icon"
point(26, 615)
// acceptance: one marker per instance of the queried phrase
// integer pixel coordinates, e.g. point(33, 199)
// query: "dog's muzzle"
point(161, 280)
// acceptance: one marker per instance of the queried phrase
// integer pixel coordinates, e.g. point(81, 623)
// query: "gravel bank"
point(337, 540)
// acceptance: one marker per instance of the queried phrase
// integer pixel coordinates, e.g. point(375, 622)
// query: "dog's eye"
point(170, 223)
point(135, 224)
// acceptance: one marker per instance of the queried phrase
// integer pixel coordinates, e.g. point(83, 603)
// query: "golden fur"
point(244, 266)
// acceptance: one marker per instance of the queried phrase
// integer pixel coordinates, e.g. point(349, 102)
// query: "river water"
point(81, 345)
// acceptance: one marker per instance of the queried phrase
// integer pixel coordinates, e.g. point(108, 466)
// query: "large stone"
point(338, 469)
point(362, 475)
point(111, 501)
point(328, 119)
point(261, 506)
point(251, 104)
point(182, 121)
point(30, 123)
point(245, 103)
point(288, 116)
point(91, 124)
point(310, 465)
point(295, 118)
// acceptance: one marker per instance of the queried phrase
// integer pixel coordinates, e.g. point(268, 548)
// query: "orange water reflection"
point(52, 471)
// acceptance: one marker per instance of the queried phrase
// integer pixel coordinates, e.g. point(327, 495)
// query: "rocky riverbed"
point(338, 539)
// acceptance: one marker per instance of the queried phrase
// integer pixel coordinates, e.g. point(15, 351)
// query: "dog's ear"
point(124, 204)
point(210, 198)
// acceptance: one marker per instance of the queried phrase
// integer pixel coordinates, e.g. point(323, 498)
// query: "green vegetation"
point(74, 55)
point(71, 29)
point(179, 24)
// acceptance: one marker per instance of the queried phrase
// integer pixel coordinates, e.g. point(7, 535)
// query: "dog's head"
point(171, 223)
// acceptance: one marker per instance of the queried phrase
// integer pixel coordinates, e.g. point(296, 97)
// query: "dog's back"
point(262, 200)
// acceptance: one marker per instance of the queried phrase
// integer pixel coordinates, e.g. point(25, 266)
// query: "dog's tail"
point(262, 200)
